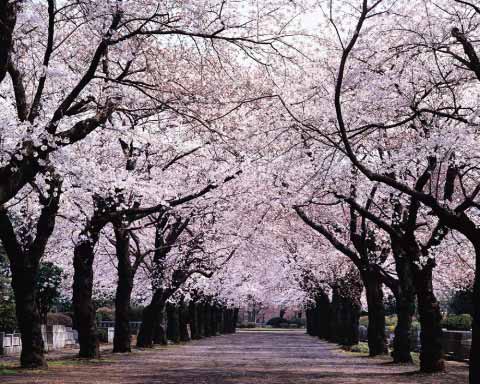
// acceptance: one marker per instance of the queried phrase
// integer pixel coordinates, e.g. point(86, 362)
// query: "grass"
point(358, 349)
point(7, 372)
point(362, 349)
point(8, 369)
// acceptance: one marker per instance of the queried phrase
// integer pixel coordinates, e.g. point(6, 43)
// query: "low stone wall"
point(54, 337)
point(10, 343)
point(456, 344)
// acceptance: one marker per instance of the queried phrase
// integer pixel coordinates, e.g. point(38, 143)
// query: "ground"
point(242, 358)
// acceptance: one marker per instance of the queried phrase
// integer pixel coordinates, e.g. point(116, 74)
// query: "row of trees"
point(116, 144)
point(170, 147)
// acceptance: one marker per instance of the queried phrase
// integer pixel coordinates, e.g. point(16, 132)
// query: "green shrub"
point(59, 318)
point(276, 321)
point(297, 322)
point(8, 319)
point(458, 322)
point(358, 348)
point(461, 302)
point(247, 325)
point(105, 314)
point(102, 334)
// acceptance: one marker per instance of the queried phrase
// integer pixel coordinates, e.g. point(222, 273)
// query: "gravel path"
point(245, 357)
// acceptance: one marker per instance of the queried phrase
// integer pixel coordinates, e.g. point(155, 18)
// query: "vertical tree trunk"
point(405, 302)
point(214, 319)
point(323, 316)
point(475, 349)
point(173, 326)
point(235, 320)
point(226, 320)
point(334, 325)
point(28, 317)
point(151, 319)
point(309, 322)
point(160, 328)
point(220, 320)
point(316, 316)
point(201, 318)
point(84, 310)
point(431, 354)
point(122, 337)
point(193, 317)
point(377, 341)
point(183, 321)
point(208, 319)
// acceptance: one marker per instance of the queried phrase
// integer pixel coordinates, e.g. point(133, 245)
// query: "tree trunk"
point(152, 317)
point(405, 303)
point(28, 317)
point(193, 317)
point(309, 322)
point(84, 310)
point(226, 320)
point(220, 319)
point(201, 318)
point(214, 320)
point(159, 329)
point(235, 320)
point(431, 354)
point(334, 325)
point(173, 326)
point(208, 319)
point(122, 337)
point(377, 341)
point(183, 322)
point(351, 318)
point(316, 317)
point(475, 349)
point(323, 326)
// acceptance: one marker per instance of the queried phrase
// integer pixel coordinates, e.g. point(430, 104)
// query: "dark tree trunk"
point(235, 320)
point(193, 317)
point(173, 325)
point(152, 317)
point(230, 321)
point(28, 317)
point(431, 354)
point(405, 302)
point(183, 322)
point(208, 319)
point(334, 325)
point(220, 319)
point(201, 318)
point(323, 326)
point(351, 318)
point(24, 263)
point(377, 341)
point(316, 317)
point(122, 338)
point(214, 319)
point(159, 330)
point(309, 319)
point(475, 349)
point(84, 310)
point(345, 317)
point(226, 320)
